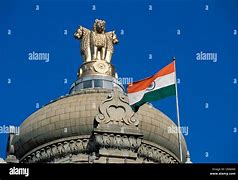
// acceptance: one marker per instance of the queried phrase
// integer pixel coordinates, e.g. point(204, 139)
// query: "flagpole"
point(178, 118)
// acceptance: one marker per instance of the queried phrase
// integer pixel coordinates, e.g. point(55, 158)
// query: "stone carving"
point(58, 150)
point(116, 110)
point(107, 142)
point(117, 141)
point(155, 154)
point(116, 131)
point(96, 44)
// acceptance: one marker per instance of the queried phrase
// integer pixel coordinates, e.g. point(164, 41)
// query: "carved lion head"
point(99, 26)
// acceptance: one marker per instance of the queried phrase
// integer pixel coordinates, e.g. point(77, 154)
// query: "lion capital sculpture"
point(96, 44)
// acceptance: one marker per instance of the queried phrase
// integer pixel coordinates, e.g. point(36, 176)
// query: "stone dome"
point(73, 116)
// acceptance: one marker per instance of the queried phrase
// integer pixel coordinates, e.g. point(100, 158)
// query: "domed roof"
point(73, 115)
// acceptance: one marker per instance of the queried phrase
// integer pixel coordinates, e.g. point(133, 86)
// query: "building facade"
point(94, 123)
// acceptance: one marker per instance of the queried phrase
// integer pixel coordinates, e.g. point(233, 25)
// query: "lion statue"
point(96, 44)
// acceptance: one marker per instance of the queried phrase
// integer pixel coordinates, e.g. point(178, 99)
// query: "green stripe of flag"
point(155, 95)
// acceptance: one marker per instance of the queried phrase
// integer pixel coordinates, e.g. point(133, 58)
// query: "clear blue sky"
point(212, 131)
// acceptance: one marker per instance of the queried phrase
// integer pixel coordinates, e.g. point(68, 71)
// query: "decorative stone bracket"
point(116, 132)
point(116, 110)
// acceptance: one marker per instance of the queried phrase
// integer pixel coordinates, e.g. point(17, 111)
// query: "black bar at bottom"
point(36, 171)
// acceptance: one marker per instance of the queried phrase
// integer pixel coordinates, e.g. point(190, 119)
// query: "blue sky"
point(213, 135)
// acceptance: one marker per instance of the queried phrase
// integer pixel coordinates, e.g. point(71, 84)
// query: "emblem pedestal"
point(97, 67)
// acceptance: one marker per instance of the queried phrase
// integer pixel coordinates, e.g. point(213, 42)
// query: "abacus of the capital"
point(96, 49)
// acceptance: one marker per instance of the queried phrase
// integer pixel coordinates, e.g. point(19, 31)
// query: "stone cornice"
point(156, 153)
point(58, 148)
point(84, 145)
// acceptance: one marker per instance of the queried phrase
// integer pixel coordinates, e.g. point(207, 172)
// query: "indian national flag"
point(156, 87)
